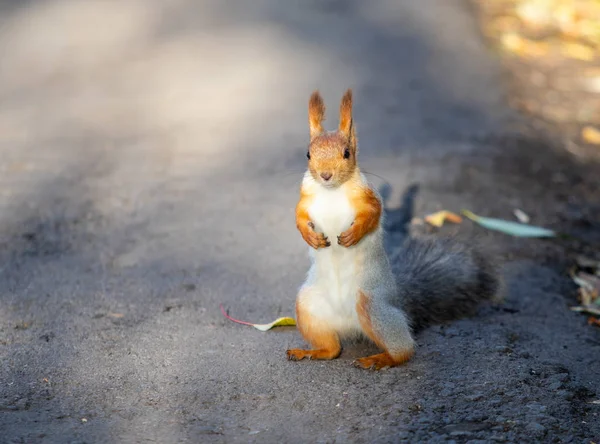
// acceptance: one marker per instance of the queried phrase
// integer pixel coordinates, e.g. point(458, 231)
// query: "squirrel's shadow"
point(397, 221)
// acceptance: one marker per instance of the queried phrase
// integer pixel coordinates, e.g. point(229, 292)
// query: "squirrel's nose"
point(326, 176)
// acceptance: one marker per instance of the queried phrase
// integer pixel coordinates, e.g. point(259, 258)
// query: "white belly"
point(336, 271)
point(331, 213)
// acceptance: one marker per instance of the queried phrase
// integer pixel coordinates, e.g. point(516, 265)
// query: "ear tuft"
point(346, 114)
point(316, 114)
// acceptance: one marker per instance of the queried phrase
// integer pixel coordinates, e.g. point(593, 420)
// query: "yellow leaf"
point(279, 322)
point(591, 135)
point(438, 219)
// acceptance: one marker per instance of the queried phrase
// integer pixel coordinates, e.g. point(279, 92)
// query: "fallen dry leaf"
point(587, 296)
point(593, 321)
point(591, 135)
point(588, 263)
point(588, 309)
point(588, 281)
point(438, 219)
point(279, 322)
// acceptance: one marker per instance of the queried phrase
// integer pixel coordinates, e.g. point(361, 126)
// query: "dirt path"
point(149, 166)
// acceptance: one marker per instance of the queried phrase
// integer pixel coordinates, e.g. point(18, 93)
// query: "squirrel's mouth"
point(330, 185)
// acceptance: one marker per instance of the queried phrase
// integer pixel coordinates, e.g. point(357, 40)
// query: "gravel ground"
point(150, 158)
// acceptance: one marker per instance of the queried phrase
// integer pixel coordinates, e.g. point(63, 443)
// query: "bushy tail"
point(441, 279)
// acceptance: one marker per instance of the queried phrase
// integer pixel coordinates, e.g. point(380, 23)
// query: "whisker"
point(373, 174)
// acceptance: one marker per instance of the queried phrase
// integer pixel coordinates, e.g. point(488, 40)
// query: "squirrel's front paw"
point(349, 237)
point(314, 239)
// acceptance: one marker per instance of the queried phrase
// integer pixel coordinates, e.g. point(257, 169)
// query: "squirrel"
point(351, 289)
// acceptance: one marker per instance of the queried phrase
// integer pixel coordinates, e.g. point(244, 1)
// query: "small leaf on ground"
point(588, 309)
point(521, 216)
point(593, 321)
point(588, 281)
point(590, 135)
point(587, 296)
point(509, 227)
point(438, 219)
point(588, 263)
point(279, 322)
point(589, 288)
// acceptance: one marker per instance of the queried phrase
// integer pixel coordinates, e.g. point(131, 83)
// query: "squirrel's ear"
point(316, 114)
point(346, 114)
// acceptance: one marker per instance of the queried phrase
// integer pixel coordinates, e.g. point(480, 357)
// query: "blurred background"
point(551, 49)
point(150, 160)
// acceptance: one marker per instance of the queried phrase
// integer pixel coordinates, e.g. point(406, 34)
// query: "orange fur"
point(346, 114)
point(327, 155)
point(362, 309)
point(305, 225)
point(325, 341)
point(381, 360)
point(316, 114)
point(368, 213)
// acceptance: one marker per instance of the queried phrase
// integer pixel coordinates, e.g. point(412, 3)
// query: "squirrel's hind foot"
point(382, 360)
point(297, 354)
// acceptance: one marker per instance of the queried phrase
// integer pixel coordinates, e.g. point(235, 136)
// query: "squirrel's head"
point(331, 155)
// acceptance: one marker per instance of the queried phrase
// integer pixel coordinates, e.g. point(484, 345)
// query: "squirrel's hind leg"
point(388, 328)
point(315, 331)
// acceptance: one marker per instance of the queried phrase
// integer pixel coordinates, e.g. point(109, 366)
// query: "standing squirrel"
point(350, 290)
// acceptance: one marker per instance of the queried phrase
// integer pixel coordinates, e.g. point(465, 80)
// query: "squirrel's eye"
point(346, 153)
point(308, 155)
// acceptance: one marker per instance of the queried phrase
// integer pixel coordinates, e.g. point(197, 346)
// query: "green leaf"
point(279, 322)
point(587, 309)
point(508, 227)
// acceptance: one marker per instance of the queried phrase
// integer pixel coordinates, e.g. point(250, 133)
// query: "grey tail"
point(440, 280)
